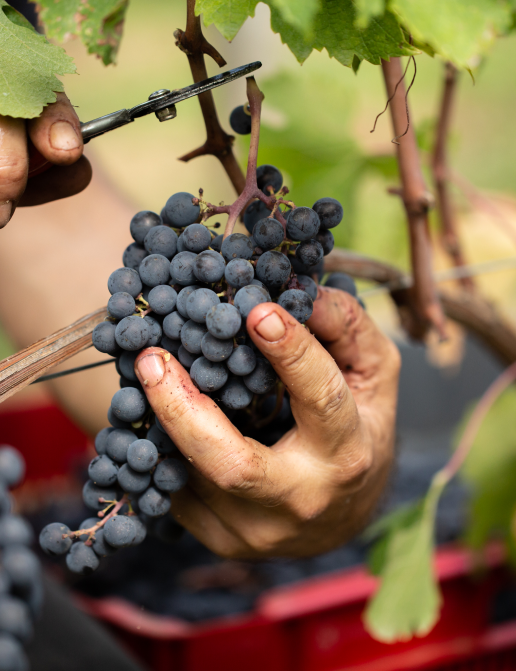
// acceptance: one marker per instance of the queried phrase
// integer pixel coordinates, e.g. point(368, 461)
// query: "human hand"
point(26, 148)
point(319, 483)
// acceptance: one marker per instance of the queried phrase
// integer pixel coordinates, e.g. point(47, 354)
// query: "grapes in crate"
point(189, 291)
point(21, 587)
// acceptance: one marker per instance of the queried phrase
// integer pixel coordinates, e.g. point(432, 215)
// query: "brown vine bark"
point(440, 173)
point(22, 368)
point(218, 143)
point(476, 314)
point(427, 311)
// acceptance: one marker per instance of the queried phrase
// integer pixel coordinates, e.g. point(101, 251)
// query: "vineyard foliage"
point(351, 31)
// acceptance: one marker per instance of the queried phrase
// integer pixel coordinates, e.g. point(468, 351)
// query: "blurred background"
point(317, 120)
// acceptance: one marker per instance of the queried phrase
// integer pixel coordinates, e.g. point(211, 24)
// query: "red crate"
point(316, 625)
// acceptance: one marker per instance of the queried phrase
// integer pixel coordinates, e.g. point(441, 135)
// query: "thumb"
point(321, 402)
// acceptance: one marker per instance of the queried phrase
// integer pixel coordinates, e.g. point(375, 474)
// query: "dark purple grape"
point(161, 240)
point(141, 224)
point(154, 270)
point(267, 176)
point(121, 305)
point(273, 269)
point(239, 273)
point(179, 210)
point(309, 252)
point(297, 303)
point(207, 375)
point(223, 321)
point(126, 280)
point(133, 256)
point(209, 266)
point(302, 223)
point(196, 238)
point(268, 234)
point(181, 268)
point(330, 212)
point(240, 120)
point(237, 246)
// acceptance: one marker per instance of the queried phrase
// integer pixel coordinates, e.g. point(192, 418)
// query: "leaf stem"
point(475, 421)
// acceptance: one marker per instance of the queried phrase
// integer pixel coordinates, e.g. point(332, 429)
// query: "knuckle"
point(355, 466)
point(267, 540)
point(333, 395)
point(13, 174)
point(241, 476)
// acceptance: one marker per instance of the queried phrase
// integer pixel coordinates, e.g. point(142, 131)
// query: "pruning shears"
point(162, 103)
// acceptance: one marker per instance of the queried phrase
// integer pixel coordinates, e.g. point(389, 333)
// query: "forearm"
point(54, 261)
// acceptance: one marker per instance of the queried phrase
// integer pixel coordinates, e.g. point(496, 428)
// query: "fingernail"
point(271, 328)
point(63, 136)
point(151, 369)
point(6, 212)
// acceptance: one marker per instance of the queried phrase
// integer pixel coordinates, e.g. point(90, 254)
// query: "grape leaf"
point(459, 31)
point(490, 470)
point(28, 66)
point(227, 15)
point(408, 600)
point(366, 10)
point(98, 22)
point(298, 13)
point(333, 28)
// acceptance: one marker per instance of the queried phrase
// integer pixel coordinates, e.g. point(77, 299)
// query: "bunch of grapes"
point(189, 291)
point(21, 588)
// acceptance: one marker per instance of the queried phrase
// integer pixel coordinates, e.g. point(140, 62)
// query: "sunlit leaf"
point(28, 66)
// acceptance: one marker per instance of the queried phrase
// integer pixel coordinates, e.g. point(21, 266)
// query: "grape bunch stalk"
point(187, 290)
point(21, 587)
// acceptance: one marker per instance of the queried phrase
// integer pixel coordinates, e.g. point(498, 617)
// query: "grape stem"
point(251, 190)
point(92, 530)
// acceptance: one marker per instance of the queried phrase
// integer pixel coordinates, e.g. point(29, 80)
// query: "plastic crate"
point(316, 625)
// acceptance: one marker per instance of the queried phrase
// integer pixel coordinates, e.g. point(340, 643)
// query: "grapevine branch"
point(417, 201)
point(475, 314)
point(440, 173)
point(218, 143)
point(22, 368)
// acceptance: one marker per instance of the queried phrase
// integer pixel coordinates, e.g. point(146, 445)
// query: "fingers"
point(321, 402)
point(56, 133)
point(57, 182)
point(368, 359)
point(197, 518)
point(203, 433)
point(13, 165)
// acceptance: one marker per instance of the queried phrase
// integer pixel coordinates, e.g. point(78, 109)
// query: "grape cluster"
point(189, 291)
point(21, 588)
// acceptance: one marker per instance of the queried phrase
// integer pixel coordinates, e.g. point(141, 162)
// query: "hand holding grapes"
point(26, 148)
point(318, 484)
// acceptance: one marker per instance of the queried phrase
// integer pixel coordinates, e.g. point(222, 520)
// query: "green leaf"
point(99, 23)
point(28, 66)
point(366, 10)
point(227, 15)
point(458, 30)
point(490, 470)
point(408, 600)
point(298, 13)
point(333, 28)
